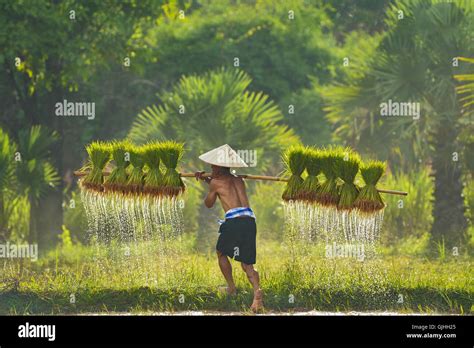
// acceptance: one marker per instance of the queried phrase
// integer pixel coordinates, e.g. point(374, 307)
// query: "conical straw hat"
point(223, 156)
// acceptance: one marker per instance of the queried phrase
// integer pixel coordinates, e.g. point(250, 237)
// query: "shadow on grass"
point(144, 299)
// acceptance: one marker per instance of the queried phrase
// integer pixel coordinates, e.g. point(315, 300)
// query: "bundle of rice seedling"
point(135, 177)
point(99, 156)
point(170, 153)
point(294, 161)
point(153, 182)
point(117, 179)
point(313, 164)
point(347, 171)
point(369, 199)
point(328, 191)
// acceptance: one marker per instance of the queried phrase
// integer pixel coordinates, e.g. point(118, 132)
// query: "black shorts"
point(237, 239)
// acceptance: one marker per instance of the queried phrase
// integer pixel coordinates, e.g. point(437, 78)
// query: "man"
point(237, 233)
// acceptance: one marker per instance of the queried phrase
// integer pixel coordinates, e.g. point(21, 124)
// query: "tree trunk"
point(51, 220)
point(33, 232)
point(450, 223)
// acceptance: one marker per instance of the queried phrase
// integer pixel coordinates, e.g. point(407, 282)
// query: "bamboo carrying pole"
point(255, 177)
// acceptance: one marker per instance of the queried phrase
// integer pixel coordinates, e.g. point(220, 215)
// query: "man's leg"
point(226, 269)
point(254, 279)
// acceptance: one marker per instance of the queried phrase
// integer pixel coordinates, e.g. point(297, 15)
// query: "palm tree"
point(212, 109)
point(35, 173)
point(7, 182)
point(413, 63)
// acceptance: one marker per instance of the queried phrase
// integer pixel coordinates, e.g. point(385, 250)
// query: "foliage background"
point(298, 63)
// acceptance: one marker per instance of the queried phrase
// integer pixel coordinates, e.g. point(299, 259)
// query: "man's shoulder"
point(219, 182)
point(227, 178)
point(224, 181)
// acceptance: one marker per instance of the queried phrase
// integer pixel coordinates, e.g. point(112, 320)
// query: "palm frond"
point(7, 169)
point(35, 173)
point(213, 109)
point(466, 89)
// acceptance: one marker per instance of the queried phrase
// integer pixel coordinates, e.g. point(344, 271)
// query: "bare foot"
point(257, 304)
point(228, 291)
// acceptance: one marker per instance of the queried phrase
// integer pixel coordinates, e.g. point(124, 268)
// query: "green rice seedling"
point(117, 179)
point(170, 153)
point(347, 171)
point(153, 182)
point(99, 156)
point(328, 191)
point(137, 161)
point(313, 164)
point(294, 161)
point(369, 199)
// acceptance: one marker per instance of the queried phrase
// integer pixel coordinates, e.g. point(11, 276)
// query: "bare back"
point(230, 190)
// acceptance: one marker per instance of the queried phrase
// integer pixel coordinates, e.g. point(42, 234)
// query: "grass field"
point(80, 279)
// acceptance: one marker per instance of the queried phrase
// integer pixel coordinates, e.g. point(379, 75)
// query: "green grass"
point(317, 283)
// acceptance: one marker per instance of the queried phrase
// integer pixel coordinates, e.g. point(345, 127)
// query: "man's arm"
point(211, 195)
